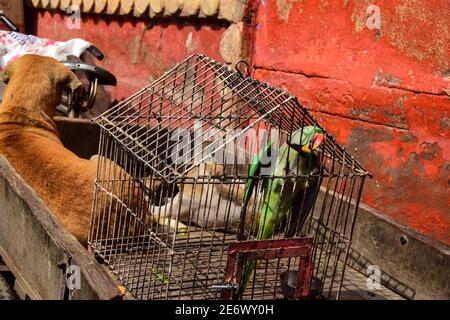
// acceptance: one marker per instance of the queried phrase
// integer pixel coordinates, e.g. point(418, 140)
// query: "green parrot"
point(295, 157)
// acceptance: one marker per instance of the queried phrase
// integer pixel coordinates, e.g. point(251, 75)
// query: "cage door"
point(241, 252)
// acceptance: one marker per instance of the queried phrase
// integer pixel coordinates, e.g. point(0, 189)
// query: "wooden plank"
point(24, 285)
point(34, 242)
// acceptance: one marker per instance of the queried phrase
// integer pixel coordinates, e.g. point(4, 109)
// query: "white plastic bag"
point(15, 44)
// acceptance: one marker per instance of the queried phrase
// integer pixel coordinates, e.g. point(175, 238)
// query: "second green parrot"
point(296, 158)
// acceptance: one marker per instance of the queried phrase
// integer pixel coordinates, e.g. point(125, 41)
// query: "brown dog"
point(30, 141)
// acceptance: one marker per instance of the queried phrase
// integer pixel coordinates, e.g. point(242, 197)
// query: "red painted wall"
point(384, 93)
point(137, 51)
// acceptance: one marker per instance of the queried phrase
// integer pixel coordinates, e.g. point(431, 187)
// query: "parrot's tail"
point(249, 271)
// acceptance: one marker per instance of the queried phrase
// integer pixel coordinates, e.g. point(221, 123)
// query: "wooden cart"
point(35, 247)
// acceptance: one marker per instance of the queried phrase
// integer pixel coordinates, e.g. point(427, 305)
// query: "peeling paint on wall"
point(284, 8)
point(189, 45)
point(324, 5)
point(384, 93)
point(359, 14)
point(412, 16)
point(386, 79)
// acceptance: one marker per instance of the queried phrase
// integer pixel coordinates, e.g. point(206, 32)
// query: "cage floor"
point(193, 266)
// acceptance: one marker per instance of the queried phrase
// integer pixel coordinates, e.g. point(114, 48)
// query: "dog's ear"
point(64, 77)
point(72, 82)
point(4, 77)
point(8, 72)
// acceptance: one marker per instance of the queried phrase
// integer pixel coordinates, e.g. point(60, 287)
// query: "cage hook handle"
point(246, 66)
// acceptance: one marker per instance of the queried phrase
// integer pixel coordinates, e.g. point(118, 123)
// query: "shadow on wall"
point(360, 263)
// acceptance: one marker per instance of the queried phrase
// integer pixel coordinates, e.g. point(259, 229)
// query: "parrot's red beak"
point(317, 141)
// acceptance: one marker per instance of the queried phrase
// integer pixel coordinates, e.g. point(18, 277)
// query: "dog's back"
point(30, 141)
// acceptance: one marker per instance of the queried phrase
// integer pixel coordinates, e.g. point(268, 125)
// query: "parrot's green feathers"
point(254, 170)
point(280, 192)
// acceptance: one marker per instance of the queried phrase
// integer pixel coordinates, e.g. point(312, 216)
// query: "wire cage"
point(171, 214)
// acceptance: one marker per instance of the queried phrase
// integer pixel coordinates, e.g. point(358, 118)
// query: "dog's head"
point(34, 78)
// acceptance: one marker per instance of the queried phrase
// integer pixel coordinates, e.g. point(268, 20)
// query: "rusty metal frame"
point(241, 251)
